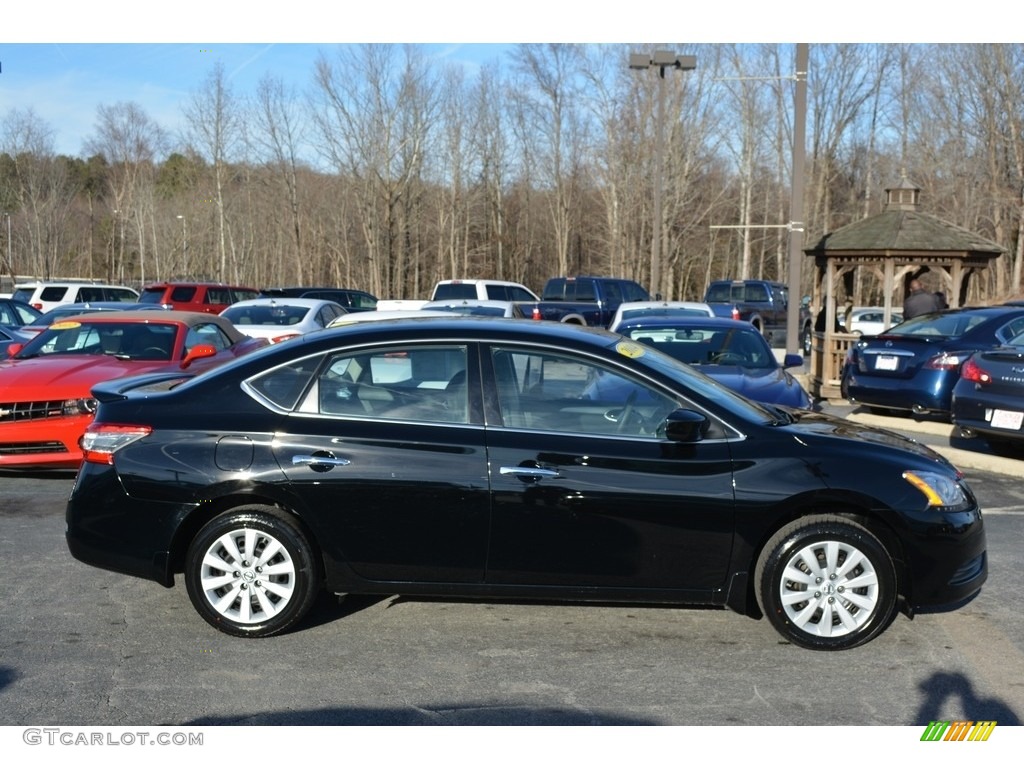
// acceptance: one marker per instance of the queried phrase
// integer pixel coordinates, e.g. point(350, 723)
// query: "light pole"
point(184, 243)
point(660, 60)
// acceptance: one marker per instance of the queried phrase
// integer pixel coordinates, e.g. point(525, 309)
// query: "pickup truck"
point(762, 303)
point(583, 300)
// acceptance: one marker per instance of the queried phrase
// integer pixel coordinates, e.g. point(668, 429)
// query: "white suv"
point(44, 295)
point(493, 290)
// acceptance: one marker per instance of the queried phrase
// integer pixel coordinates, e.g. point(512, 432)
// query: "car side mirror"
point(685, 426)
point(198, 352)
point(14, 349)
point(792, 360)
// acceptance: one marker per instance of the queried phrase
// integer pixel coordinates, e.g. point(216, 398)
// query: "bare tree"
point(278, 132)
point(42, 190)
point(130, 142)
point(214, 119)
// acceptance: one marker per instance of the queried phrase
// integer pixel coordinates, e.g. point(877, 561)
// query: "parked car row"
point(264, 460)
point(963, 365)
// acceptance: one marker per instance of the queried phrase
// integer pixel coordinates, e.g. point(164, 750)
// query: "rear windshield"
point(950, 325)
point(447, 291)
point(152, 296)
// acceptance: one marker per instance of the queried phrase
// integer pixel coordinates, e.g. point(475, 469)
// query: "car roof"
point(468, 303)
point(283, 301)
point(191, 319)
point(680, 321)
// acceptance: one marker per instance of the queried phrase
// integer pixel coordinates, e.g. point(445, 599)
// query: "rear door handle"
point(323, 461)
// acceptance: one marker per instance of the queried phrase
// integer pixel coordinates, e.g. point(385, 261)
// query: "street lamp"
point(660, 60)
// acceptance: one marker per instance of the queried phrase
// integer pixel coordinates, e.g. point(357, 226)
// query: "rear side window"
point(23, 294)
point(243, 294)
point(183, 293)
point(53, 293)
point(283, 386)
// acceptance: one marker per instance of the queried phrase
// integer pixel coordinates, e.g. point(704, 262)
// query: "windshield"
point(127, 341)
point(708, 345)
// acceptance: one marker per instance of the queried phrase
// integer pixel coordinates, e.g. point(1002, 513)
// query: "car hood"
point(57, 377)
point(809, 426)
point(773, 385)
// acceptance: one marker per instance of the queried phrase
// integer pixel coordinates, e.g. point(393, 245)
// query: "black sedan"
point(988, 400)
point(468, 456)
point(913, 366)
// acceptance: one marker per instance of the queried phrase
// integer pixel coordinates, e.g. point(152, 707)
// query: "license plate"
point(1007, 419)
point(886, 363)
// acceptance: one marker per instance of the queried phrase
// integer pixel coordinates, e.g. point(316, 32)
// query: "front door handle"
point(530, 473)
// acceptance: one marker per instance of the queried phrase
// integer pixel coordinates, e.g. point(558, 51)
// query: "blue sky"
point(64, 83)
point(66, 59)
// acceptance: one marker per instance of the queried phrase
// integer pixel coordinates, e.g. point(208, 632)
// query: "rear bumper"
point(933, 396)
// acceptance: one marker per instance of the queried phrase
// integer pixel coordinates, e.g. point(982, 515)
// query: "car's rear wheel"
point(251, 572)
point(826, 583)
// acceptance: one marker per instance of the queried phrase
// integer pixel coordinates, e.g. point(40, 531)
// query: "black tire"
point(251, 597)
point(856, 599)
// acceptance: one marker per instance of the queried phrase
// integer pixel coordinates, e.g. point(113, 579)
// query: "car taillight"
point(101, 441)
point(974, 372)
point(735, 313)
point(284, 337)
point(947, 361)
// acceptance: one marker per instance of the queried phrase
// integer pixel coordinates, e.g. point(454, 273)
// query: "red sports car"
point(45, 384)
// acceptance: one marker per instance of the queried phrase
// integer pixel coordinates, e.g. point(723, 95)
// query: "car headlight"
point(82, 406)
point(940, 489)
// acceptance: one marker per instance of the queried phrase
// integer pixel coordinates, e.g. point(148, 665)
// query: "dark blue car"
point(914, 366)
point(732, 352)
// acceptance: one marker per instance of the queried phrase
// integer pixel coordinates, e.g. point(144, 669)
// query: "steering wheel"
point(729, 358)
point(158, 351)
point(626, 412)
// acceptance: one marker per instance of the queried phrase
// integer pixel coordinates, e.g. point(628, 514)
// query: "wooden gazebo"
point(897, 245)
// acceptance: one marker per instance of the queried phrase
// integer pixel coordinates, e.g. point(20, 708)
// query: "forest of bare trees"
point(387, 172)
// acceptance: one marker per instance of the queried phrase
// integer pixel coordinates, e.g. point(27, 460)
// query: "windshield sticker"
point(629, 349)
point(63, 325)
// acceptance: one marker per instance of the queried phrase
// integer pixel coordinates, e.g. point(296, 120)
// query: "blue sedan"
point(914, 366)
point(730, 351)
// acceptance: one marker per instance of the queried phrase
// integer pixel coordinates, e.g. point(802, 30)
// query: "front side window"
point(403, 383)
point(539, 390)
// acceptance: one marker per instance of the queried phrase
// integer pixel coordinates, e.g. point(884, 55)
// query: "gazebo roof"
point(901, 227)
point(904, 230)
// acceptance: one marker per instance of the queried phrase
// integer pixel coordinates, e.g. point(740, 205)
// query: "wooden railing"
point(828, 352)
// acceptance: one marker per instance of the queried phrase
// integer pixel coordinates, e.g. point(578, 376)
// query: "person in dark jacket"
point(919, 301)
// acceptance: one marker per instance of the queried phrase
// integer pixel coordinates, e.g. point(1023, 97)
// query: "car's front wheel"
point(826, 583)
point(251, 572)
